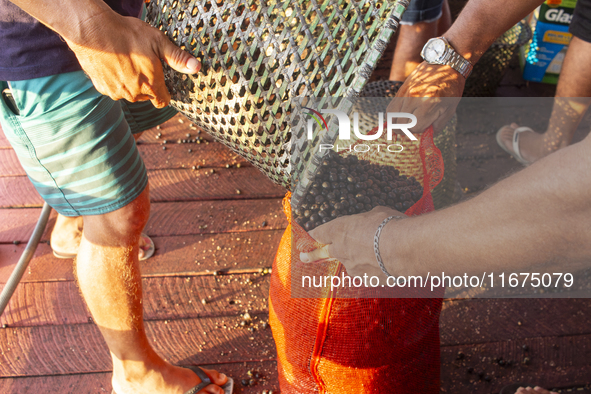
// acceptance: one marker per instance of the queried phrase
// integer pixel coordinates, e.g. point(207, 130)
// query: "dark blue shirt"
point(29, 50)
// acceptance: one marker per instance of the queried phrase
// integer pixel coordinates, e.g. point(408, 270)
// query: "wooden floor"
point(216, 229)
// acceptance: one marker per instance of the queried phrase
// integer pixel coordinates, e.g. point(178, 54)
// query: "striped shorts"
point(75, 144)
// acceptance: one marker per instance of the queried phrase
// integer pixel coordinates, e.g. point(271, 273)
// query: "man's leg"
point(78, 150)
point(67, 231)
point(109, 277)
point(572, 100)
point(412, 38)
point(407, 55)
point(444, 23)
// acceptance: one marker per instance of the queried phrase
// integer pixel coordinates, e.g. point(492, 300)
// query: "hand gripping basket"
point(258, 55)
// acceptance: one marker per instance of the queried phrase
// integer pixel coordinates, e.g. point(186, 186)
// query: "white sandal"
point(516, 154)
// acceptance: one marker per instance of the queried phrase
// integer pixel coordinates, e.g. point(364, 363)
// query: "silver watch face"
point(434, 50)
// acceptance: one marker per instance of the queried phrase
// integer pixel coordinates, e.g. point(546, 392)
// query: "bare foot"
point(168, 379)
point(535, 390)
point(67, 233)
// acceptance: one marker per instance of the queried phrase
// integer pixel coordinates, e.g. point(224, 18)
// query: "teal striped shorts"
point(75, 144)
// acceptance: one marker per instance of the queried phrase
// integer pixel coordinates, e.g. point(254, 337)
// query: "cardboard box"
point(542, 59)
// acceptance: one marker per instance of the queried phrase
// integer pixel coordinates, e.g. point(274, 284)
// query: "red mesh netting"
point(355, 345)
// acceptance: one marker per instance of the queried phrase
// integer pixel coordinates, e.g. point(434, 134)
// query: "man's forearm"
point(482, 21)
point(539, 216)
point(66, 17)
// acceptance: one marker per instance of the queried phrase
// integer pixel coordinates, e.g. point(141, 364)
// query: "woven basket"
point(257, 56)
point(447, 191)
point(489, 70)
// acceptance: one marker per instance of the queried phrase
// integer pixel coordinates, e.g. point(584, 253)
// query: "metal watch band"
point(458, 63)
point(376, 242)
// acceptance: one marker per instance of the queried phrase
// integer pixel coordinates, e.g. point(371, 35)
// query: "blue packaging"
point(542, 59)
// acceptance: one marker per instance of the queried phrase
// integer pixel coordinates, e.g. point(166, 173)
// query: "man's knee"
point(134, 215)
point(123, 224)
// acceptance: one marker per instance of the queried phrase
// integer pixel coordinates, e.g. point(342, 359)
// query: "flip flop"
point(516, 153)
point(205, 381)
point(148, 249)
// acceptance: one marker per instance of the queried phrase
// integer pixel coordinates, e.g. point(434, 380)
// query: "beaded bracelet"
point(376, 242)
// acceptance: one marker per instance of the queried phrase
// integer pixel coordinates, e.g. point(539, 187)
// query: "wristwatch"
point(439, 51)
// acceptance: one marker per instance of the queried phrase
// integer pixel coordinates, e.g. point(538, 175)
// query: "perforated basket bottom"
point(258, 56)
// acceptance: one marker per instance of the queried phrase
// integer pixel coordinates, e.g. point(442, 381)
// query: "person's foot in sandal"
point(531, 146)
point(67, 233)
point(527, 145)
point(170, 379)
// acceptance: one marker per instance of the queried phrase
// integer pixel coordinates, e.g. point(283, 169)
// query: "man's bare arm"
point(481, 22)
point(121, 55)
point(477, 27)
point(538, 218)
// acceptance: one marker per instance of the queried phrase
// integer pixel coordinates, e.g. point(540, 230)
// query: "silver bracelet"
point(376, 242)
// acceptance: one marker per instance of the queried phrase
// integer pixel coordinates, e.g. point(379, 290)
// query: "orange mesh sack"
point(352, 341)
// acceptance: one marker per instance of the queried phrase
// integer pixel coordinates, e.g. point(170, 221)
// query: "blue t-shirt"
point(29, 50)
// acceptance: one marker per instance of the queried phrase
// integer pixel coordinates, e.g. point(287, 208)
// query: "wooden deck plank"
point(210, 217)
point(490, 320)
point(553, 362)
point(174, 129)
point(209, 184)
point(171, 130)
point(211, 155)
point(9, 164)
point(101, 382)
point(60, 303)
point(4, 144)
point(167, 219)
point(52, 350)
point(44, 303)
point(18, 191)
point(18, 224)
point(79, 348)
point(167, 185)
point(185, 254)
